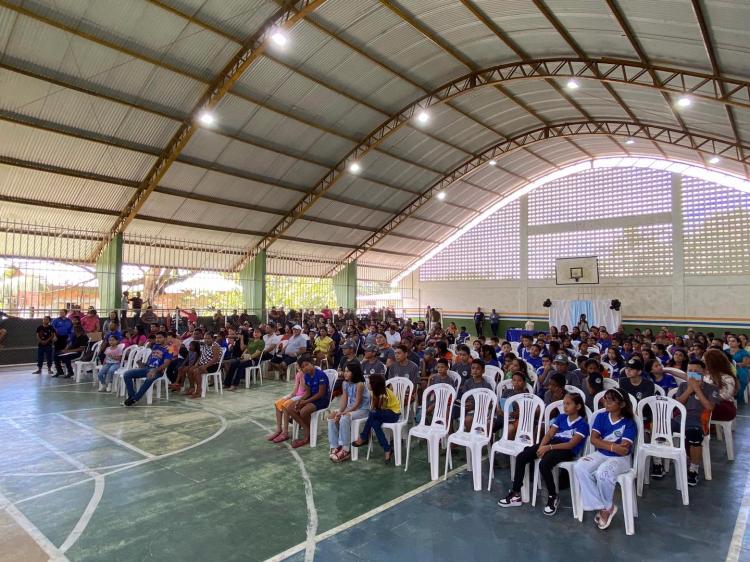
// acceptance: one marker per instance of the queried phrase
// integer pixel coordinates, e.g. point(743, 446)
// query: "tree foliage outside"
point(299, 292)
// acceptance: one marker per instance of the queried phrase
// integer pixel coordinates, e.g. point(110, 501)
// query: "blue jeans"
point(44, 353)
point(340, 434)
point(138, 374)
point(375, 422)
point(107, 372)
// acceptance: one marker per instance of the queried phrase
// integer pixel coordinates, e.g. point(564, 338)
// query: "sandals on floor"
point(612, 514)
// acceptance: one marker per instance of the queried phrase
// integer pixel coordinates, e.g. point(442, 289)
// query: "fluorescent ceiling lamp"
point(684, 101)
point(492, 162)
point(714, 160)
point(423, 117)
point(355, 168)
point(207, 118)
point(572, 85)
point(280, 38)
point(441, 195)
point(684, 168)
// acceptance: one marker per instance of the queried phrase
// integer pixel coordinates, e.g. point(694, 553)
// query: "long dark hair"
point(355, 368)
point(626, 408)
point(578, 401)
point(377, 384)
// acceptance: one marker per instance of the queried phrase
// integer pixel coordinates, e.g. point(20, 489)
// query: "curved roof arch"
point(92, 98)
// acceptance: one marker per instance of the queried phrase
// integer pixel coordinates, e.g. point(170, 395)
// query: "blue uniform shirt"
point(567, 429)
point(622, 430)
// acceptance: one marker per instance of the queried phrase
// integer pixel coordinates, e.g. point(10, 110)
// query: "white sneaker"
point(101, 387)
point(109, 388)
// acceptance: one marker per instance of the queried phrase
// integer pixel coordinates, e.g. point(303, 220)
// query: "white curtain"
point(568, 311)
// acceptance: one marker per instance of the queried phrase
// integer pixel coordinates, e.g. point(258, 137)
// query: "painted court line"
point(211, 437)
point(364, 517)
point(312, 512)
point(108, 436)
point(96, 497)
point(44, 543)
point(738, 536)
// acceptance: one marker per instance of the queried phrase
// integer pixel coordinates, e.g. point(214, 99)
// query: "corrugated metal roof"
point(56, 218)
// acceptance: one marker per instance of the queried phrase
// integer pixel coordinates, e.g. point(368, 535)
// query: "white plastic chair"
point(126, 362)
point(724, 431)
point(508, 384)
point(141, 355)
point(317, 415)
point(626, 481)
point(216, 374)
point(254, 371)
point(495, 372)
point(163, 379)
point(456, 379)
point(610, 383)
point(291, 370)
point(400, 386)
point(608, 367)
point(530, 407)
point(575, 390)
point(490, 380)
point(661, 442)
point(478, 436)
point(659, 390)
point(444, 395)
point(82, 367)
point(568, 465)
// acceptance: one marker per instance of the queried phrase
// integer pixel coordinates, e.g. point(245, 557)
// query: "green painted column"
point(253, 281)
point(109, 276)
point(345, 286)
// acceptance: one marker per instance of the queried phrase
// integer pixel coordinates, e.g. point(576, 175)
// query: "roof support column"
point(109, 275)
point(253, 283)
point(345, 286)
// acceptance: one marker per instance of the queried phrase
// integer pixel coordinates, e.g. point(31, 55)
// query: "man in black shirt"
point(45, 335)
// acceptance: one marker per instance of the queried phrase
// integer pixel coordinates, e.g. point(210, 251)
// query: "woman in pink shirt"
point(90, 322)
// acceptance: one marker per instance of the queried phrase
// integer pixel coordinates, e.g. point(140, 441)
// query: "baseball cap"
point(347, 345)
point(296, 327)
point(430, 351)
point(635, 363)
point(560, 358)
point(372, 348)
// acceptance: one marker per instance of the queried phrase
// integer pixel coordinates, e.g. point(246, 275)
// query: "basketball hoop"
point(576, 273)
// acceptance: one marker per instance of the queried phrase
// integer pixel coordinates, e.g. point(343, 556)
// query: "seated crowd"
point(705, 372)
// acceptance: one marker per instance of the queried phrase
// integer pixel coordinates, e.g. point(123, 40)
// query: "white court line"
point(312, 512)
point(44, 543)
point(108, 436)
point(738, 536)
point(365, 516)
point(211, 437)
point(96, 497)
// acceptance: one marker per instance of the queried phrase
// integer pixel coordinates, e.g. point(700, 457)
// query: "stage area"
point(84, 479)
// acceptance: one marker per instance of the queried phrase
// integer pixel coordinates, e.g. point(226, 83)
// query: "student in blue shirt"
point(613, 434)
point(534, 357)
point(563, 441)
point(661, 378)
point(463, 335)
point(316, 397)
point(155, 367)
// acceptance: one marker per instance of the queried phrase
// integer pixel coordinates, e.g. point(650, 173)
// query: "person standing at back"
point(479, 321)
point(45, 335)
point(494, 322)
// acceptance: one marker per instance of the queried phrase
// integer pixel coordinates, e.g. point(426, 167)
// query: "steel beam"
point(613, 71)
point(655, 133)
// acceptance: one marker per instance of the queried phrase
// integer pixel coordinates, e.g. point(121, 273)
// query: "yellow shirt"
point(324, 345)
point(389, 401)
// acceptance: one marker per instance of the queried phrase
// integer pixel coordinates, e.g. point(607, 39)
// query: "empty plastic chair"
point(442, 396)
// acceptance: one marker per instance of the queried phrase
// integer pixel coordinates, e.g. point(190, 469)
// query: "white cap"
point(296, 327)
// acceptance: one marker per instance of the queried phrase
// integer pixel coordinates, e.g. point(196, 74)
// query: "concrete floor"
point(85, 479)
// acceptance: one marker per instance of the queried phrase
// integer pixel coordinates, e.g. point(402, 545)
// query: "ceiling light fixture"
point(355, 168)
point(714, 160)
point(492, 162)
point(630, 141)
point(684, 101)
point(207, 118)
point(572, 85)
point(441, 195)
point(423, 116)
point(280, 38)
